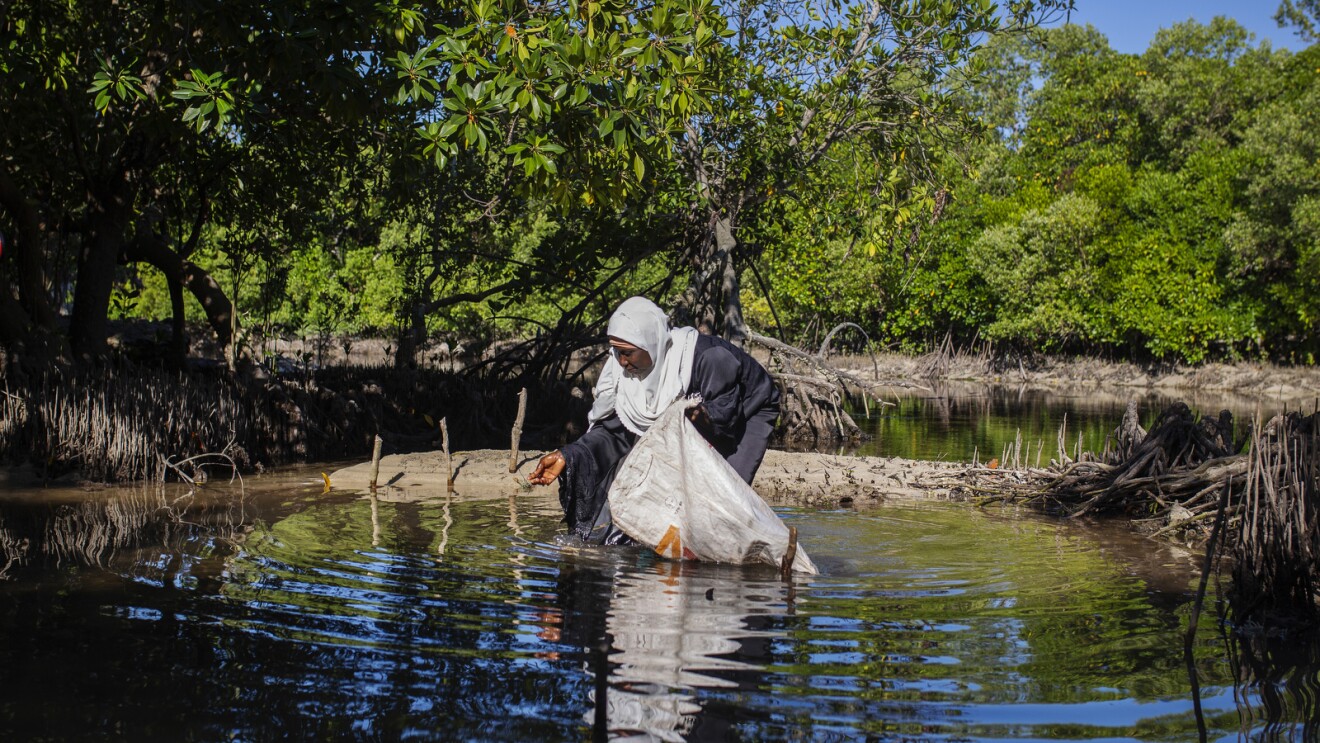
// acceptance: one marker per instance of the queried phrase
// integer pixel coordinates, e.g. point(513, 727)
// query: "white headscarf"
point(640, 400)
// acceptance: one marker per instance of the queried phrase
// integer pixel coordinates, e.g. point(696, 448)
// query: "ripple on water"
point(478, 619)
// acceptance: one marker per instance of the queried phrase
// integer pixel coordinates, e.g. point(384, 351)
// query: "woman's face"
point(635, 361)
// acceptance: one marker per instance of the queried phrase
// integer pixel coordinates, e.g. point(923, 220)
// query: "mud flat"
point(785, 478)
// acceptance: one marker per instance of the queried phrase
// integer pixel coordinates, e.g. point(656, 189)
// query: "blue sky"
point(1131, 24)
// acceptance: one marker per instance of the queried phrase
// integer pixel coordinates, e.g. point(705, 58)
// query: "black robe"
point(742, 403)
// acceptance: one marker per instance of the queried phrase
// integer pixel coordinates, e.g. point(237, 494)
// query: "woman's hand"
point(701, 420)
point(547, 469)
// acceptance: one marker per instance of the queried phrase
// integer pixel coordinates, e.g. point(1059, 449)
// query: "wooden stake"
point(375, 462)
point(444, 530)
point(790, 554)
point(449, 461)
point(375, 520)
point(517, 430)
point(513, 515)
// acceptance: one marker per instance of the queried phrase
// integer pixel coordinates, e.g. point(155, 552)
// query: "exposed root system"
point(1174, 480)
point(814, 393)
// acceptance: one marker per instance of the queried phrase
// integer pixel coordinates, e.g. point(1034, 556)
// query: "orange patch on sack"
point(671, 543)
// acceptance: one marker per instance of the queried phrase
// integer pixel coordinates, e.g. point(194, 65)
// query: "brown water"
point(274, 610)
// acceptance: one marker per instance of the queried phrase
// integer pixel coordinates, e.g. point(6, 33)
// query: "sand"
point(785, 478)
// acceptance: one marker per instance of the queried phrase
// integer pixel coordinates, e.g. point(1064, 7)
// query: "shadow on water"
point(277, 610)
point(959, 421)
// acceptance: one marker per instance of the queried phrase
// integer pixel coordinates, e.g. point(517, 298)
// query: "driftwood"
point(375, 462)
point(1174, 463)
point(1167, 476)
point(449, 458)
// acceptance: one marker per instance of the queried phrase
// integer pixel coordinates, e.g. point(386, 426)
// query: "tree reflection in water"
point(127, 530)
point(288, 612)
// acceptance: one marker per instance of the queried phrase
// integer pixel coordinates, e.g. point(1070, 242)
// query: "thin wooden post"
point(517, 430)
point(790, 554)
point(449, 461)
point(375, 462)
point(375, 519)
point(513, 515)
point(448, 521)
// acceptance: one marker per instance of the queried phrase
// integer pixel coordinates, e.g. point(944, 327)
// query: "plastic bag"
point(677, 495)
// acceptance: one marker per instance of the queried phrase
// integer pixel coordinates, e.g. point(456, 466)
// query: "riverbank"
point(1247, 379)
point(985, 365)
point(310, 402)
point(810, 479)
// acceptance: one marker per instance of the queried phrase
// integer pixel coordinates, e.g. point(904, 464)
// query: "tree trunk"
point(182, 273)
point(178, 326)
point(89, 325)
point(411, 337)
point(23, 248)
point(712, 302)
point(405, 351)
point(14, 323)
point(726, 246)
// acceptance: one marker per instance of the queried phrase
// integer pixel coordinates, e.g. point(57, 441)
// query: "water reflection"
point(675, 628)
point(280, 611)
point(1279, 675)
point(187, 530)
point(958, 421)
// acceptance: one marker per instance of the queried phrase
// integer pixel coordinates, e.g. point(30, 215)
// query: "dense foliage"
point(492, 168)
point(1160, 205)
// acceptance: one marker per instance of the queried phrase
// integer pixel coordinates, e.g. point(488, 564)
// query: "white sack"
point(677, 495)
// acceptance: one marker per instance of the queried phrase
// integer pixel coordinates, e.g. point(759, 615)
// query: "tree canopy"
point(1153, 205)
point(920, 168)
point(145, 131)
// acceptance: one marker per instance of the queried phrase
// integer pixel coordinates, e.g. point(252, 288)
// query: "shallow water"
point(960, 422)
point(279, 611)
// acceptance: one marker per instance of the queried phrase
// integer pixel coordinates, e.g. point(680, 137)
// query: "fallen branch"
point(199, 461)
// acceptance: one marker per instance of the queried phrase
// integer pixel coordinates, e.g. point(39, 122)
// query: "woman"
point(649, 367)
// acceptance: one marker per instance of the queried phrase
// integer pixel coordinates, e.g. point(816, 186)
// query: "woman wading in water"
point(650, 366)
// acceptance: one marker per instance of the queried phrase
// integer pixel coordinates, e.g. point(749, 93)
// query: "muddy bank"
point(1247, 379)
point(785, 478)
point(986, 366)
point(327, 399)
